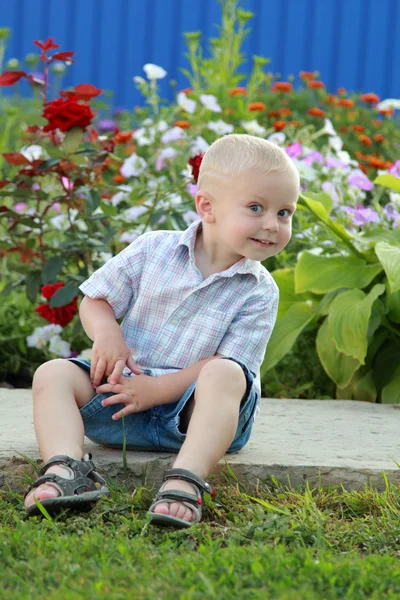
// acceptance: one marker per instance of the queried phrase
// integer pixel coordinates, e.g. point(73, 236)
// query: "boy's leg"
point(59, 389)
point(220, 388)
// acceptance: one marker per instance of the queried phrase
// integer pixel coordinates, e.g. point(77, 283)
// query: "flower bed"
point(78, 186)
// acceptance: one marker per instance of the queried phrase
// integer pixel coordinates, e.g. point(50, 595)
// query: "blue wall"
point(353, 43)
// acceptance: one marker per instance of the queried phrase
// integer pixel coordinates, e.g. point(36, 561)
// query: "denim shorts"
point(157, 428)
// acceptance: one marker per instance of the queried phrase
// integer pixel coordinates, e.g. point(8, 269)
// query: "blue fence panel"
point(352, 43)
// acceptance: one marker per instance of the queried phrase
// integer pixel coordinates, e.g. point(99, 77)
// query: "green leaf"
point(268, 505)
point(52, 268)
point(389, 181)
point(380, 235)
point(284, 279)
point(33, 284)
point(108, 209)
point(323, 198)
point(320, 274)
point(389, 256)
point(285, 333)
point(393, 304)
point(386, 362)
point(64, 295)
point(93, 200)
point(391, 391)
point(72, 140)
point(348, 320)
point(337, 365)
point(364, 388)
point(47, 164)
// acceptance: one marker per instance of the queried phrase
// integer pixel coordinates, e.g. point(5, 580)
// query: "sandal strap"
point(82, 466)
point(67, 487)
point(195, 508)
point(180, 496)
point(192, 478)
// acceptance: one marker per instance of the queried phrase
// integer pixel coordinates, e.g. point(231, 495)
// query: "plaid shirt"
point(173, 317)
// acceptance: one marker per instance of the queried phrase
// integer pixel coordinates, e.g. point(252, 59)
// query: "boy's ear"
point(204, 206)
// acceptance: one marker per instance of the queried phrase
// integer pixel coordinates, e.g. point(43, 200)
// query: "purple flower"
point(119, 111)
point(361, 215)
point(334, 163)
point(106, 125)
point(392, 214)
point(313, 157)
point(330, 188)
point(360, 180)
point(192, 189)
point(294, 150)
point(395, 169)
point(38, 78)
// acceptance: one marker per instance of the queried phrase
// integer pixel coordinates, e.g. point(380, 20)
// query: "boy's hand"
point(110, 355)
point(137, 393)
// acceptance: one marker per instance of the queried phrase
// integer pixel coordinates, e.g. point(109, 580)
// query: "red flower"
point(61, 315)
point(316, 112)
point(318, 85)
point(195, 163)
point(307, 75)
point(371, 98)
point(257, 106)
point(279, 125)
point(282, 86)
point(66, 114)
point(238, 91)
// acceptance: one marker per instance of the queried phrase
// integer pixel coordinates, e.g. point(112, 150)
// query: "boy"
point(199, 310)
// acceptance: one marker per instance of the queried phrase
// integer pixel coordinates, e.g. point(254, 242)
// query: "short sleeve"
point(248, 334)
point(117, 281)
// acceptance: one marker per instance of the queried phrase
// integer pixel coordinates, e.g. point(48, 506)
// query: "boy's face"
point(253, 206)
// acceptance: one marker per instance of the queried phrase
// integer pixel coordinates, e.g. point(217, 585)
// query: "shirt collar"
point(245, 265)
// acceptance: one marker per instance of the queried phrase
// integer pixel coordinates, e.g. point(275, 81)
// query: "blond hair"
point(235, 153)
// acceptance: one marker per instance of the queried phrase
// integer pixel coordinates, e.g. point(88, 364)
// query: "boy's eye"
point(285, 212)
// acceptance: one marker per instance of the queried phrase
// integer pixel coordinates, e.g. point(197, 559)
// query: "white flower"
point(102, 257)
point(199, 145)
point(155, 183)
point(210, 102)
point(305, 171)
point(277, 138)
point(154, 71)
point(122, 195)
point(143, 137)
point(42, 335)
point(335, 142)
point(328, 128)
point(86, 354)
point(129, 236)
point(131, 214)
point(389, 103)
point(139, 80)
point(164, 155)
point(61, 222)
point(316, 251)
point(346, 158)
point(133, 166)
point(186, 103)
point(253, 127)
point(171, 135)
point(60, 347)
point(32, 152)
point(220, 127)
point(162, 125)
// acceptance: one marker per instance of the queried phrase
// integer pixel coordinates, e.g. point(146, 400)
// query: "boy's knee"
point(225, 370)
point(48, 370)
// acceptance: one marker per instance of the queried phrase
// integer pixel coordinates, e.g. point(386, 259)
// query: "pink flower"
point(294, 150)
point(361, 215)
point(395, 169)
point(68, 185)
point(20, 207)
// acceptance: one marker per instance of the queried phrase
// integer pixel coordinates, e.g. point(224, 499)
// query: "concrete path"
point(325, 442)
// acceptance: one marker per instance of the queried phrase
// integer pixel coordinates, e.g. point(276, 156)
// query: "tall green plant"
point(353, 299)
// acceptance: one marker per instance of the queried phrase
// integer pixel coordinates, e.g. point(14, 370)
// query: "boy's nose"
point(271, 224)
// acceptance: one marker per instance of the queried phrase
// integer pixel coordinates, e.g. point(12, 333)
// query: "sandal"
point(194, 502)
point(79, 492)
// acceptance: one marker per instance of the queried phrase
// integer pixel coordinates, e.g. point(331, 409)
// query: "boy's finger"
point(117, 372)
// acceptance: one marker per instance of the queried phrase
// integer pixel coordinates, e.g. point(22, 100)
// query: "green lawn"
point(291, 544)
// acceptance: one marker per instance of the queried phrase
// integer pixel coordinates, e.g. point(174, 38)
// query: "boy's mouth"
point(263, 242)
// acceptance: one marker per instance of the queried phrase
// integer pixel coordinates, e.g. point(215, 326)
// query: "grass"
point(278, 542)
